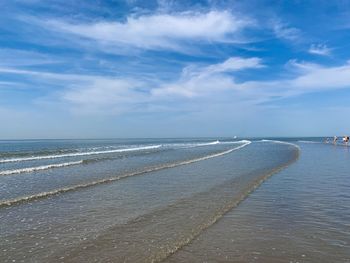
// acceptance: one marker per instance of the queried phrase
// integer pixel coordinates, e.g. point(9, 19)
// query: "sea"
point(175, 200)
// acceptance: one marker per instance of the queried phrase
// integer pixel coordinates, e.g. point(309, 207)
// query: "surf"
point(193, 215)
point(42, 157)
point(33, 197)
point(201, 144)
point(39, 168)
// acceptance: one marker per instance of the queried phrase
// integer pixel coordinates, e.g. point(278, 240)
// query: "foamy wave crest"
point(192, 145)
point(309, 142)
point(32, 158)
point(39, 168)
point(209, 143)
point(282, 142)
point(235, 142)
point(112, 179)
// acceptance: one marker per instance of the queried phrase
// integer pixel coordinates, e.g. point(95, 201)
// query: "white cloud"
point(199, 81)
point(214, 83)
point(196, 84)
point(319, 49)
point(234, 64)
point(324, 78)
point(47, 75)
point(105, 95)
point(15, 57)
point(166, 31)
point(88, 93)
point(309, 78)
point(284, 31)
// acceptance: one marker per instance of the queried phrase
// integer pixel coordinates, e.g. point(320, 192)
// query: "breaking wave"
point(39, 168)
point(32, 158)
point(115, 178)
point(309, 142)
point(281, 142)
point(192, 145)
point(193, 215)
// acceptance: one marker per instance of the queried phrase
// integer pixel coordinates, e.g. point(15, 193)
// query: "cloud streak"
point(201, 81)
point(284, 31)
point(158, 31)
point(319, 49)
point(217, 82)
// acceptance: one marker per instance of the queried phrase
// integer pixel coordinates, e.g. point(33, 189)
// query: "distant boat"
point(234, 137)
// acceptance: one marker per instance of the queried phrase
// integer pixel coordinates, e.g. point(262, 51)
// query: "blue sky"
point(128, 68)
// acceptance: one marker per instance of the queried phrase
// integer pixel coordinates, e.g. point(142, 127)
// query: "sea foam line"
point(193, 145)
point(32, 158)
point(207, 143)
point(39, 168)
point(22, 199)
point(282, 142)
point(235, 142)
point(309, 142)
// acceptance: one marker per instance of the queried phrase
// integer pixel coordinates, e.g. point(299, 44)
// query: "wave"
point(22, 199)
point(32, 158)
point(309, 142)
point(203, 215)
point(234, 142)
point(192, 145)
point(281, 142)
point(209, 143)
point(231, 204)
point(39, 168)
point(96, 151)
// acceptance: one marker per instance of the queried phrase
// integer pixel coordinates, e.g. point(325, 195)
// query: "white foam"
point(281, 142)
point(39, 168)
point(112, 179)
point(190, 144)
point(32, 158)
point(309, 142)
point(64, 155)
point(193, 145)
point(235, 142)
point(213, 155)
point(209, 143)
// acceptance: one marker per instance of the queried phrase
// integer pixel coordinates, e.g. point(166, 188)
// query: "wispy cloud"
point(217, 82)
point(88, 93)
point(138, 60)
point(158, 31)
point(211, 82)
point(202, 81)
point(321, 77)
point(15, 57)
point(309, 78)
point(320, 49)
point(106, 96)
point(284, 31)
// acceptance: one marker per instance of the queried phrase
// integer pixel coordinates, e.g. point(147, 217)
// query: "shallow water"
point(154, 201)
point(301, 214)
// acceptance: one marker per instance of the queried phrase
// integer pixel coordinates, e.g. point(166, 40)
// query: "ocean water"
point(176, 200)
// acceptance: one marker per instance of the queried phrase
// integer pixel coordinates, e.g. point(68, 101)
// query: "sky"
point(166, 68)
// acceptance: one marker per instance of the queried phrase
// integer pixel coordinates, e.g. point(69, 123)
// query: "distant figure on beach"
point(335, 139)
point(346, 140)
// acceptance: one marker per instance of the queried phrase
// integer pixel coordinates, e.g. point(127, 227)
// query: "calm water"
point(301, 214)
point(175, 200)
